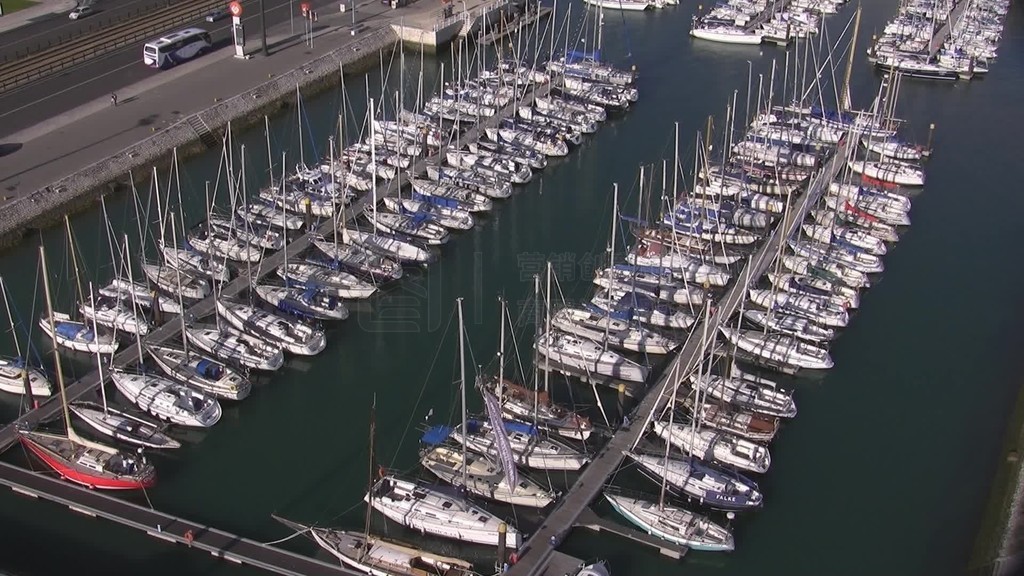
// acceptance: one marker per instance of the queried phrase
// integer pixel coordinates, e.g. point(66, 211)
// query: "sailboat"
point(673, 523)
point(477, 473)
point(291, 335)
point(433, 510)
point(534, 406)
point(17, 376)
point(689, 476)
point(82, 461)
point(378, 556)
point(118, 424)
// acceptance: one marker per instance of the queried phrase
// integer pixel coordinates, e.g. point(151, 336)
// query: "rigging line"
point(148, 501)
point(287, 538)
point(423, 389)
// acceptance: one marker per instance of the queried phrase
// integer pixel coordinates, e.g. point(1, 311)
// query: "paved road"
point(49, 28)
point(70, 139)
point(52, 96)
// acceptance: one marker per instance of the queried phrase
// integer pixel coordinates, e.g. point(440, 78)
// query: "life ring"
point(513, 558)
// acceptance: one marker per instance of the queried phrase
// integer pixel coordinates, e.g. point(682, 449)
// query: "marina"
point(950, 41)
point(803, 297)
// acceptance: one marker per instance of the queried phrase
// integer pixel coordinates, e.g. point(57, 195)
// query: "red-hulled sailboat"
point(82, 461)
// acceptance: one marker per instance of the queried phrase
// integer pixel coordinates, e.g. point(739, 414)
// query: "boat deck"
point(164, 526)
point(538, 551)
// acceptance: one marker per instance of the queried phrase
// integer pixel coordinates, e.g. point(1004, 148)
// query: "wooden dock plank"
point(536, 552)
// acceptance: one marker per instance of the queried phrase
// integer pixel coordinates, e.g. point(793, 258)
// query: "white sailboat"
point(779, 348)
point(672, 523)
point(118, 424)
point(232, 347)
point(746, 394)
point(431, 510)
point(17, 376)
point(291, 335)
point(167, 400)
point(477, 473)
point(715, 445)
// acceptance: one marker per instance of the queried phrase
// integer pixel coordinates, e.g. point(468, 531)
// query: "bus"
point(176, 48)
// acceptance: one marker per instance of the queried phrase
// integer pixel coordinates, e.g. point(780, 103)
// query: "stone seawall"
point(82, 189)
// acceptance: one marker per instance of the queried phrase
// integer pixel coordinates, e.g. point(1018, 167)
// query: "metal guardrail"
point(62, 56)
point(94, 23)
point(444, 22)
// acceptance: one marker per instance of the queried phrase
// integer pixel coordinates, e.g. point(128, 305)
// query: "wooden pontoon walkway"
point(766, 15)
point(166, 527)
point(943, 32)
point(535, 553)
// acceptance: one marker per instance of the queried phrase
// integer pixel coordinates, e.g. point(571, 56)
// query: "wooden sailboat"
point(82, 461)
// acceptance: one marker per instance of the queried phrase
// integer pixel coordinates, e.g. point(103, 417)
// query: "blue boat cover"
point(70, 330)
point(581, 55)
point(437, 435)
point(209, 369)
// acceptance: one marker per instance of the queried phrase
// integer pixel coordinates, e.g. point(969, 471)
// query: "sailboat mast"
point(99, 357)
point(547, 322)
point(501, 350)
point(298, 103)
point(671, 422)
point(611, 251)
point(536, 334)
point(74, 259)
point(17, 345)
point(373, 164)
point(462, 380)
point(369, 505)
point(53, 330)
point(181, 303)
point(138, 331)
point(849, 62)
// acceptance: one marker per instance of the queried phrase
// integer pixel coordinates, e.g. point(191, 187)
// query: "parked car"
point(218, 14)
point(81, 12)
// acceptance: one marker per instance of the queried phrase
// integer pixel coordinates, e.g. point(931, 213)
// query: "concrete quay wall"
point(76, 192)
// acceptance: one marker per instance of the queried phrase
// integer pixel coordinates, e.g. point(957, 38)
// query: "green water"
point(884, 471)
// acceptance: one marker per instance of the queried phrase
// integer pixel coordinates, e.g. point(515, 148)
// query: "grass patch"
point(12, 6)
point(997, 512)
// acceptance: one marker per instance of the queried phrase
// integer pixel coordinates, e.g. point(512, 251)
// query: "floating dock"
point(943, 32)
point(163, 526)
point(590, 520)
point(536, 553)
point(171, 528)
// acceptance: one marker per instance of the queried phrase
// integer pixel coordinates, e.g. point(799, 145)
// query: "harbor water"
point(885, 470)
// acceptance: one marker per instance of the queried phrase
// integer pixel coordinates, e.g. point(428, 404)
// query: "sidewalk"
point(34, 158)
point(20, 18)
